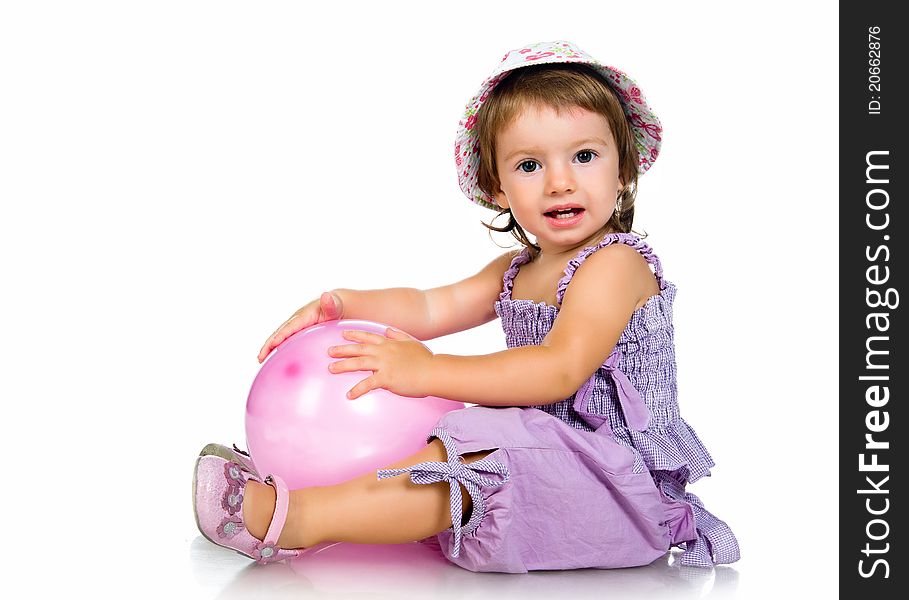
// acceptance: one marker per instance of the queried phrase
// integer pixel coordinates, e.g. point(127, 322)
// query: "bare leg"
point(362, 510)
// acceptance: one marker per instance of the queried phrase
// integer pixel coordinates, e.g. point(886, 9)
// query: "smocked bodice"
point(641, 369)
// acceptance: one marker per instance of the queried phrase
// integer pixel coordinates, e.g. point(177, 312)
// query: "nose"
point(559, 180)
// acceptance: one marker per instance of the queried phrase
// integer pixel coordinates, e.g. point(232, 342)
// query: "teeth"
point(565, 213)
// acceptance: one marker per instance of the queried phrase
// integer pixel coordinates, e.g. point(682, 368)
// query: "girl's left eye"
point(586, 153)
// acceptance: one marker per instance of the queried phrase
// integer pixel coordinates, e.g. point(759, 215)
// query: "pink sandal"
point(218, 486)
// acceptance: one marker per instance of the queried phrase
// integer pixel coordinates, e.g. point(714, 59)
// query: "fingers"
point(363, 359)
point(351, 364)
point(362, 336)
point(367, 385)
point(270, 344)
point(330, 306)
point(290, 327)
point(397, 334)
point(362, 353)
point(326, 308)
point(298, 322)
point(349, 350)
point(266, 349)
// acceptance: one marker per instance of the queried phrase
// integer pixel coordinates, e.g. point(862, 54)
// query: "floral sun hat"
point(644, 123)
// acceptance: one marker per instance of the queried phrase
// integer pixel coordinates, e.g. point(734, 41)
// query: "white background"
point(177, 178)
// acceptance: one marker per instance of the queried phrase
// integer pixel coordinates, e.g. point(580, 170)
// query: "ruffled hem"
point(713, 542)
point(674, 448)
point(680, 520)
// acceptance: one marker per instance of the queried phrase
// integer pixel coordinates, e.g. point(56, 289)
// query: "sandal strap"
point(282, 500)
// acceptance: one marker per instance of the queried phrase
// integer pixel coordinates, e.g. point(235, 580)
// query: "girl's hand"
point(328, 307)
point(400, 363)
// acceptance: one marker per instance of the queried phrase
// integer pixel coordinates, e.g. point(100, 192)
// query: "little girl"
point(576, 455)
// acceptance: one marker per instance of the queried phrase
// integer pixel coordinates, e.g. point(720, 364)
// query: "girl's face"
point(545, 160)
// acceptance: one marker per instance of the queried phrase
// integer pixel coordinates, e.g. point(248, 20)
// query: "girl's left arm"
point(595, 310)
point(524, 376)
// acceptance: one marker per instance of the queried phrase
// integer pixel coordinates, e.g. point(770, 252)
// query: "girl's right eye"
point(525, 163)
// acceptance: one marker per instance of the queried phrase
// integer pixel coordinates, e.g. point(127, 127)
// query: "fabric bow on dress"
point(637, 416)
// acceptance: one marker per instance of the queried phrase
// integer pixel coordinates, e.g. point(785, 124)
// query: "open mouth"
point(564, 214)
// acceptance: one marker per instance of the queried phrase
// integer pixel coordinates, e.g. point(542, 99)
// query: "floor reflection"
point(418, 571)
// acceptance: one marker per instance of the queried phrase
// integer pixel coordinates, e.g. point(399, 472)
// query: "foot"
point(258, 508)
point(218, 491)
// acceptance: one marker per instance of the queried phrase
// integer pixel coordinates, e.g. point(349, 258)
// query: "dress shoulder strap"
point(628, 239)
point(519, 259)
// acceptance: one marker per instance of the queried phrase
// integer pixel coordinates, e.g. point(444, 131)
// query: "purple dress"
point(617, 454)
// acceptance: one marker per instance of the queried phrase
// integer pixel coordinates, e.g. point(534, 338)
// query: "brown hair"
point(562, 86)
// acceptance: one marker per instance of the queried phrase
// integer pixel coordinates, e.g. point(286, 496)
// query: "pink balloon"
point(301, 426)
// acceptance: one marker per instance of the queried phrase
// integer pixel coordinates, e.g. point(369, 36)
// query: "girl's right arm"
point(468, 303)
point(424, 314)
